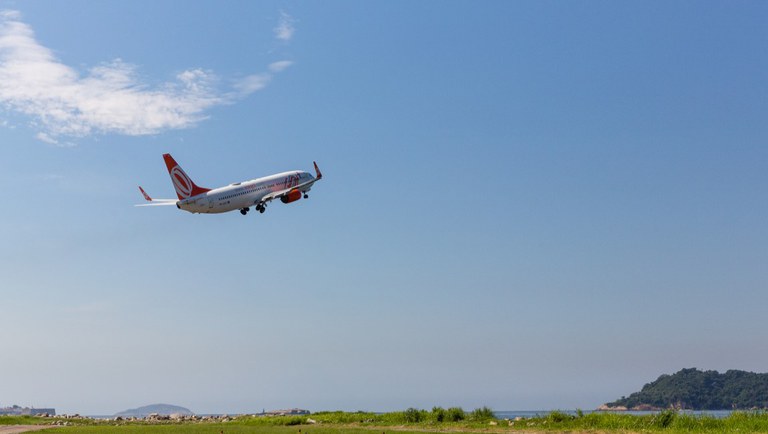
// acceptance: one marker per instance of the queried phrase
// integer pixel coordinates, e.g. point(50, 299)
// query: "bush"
point(438, 414)
point(482, 414)
point(295, 420)
point(558, 416)
point(664, 419)
point(413, 415)
point(455, 414)
point(343, 417)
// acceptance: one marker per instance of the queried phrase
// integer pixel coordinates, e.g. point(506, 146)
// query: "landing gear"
point(261, 208)
point(244, 211)
point(306, 196)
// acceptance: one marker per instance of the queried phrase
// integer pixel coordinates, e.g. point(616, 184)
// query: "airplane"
point(286, 186)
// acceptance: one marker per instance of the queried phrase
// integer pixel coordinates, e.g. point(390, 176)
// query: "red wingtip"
point(317, 171)
point(146, 196)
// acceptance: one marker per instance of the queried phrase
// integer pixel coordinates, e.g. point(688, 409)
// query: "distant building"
point(289, 412)
point(26, 411)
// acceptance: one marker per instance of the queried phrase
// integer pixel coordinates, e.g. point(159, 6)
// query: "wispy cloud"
point(280, 66)
point(44, 137)
point(285, 29)
point(252, 83)
point(108, 98)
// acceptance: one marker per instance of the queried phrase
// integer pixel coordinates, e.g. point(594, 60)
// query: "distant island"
point(693, 389)
point(25, 411)
point(163, 409)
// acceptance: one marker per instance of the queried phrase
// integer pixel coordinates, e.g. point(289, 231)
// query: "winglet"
point(146, 196)
point(317, 171)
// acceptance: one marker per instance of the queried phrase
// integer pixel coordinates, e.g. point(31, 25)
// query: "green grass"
point(414, 421)
point(216, 428)
point(19, 420)
point(664, 422)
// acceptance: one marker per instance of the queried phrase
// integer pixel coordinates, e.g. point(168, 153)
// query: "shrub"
point(455, 414)
point(482, 414)
point(413, 415)
point(295, 420)
point(438, 414)
point(664, 419)
point(558, 417)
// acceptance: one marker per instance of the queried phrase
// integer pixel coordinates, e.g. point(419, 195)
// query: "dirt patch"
point(16, 429)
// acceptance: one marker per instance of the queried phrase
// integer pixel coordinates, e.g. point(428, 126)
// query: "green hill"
point(700, 390)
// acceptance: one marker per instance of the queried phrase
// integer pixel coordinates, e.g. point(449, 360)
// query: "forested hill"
point(700, 390)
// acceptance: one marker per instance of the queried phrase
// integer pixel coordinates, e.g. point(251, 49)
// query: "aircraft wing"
point(278, 194)
point(303, 187)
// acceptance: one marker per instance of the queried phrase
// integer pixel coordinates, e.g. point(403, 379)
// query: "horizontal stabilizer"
point(155, 202)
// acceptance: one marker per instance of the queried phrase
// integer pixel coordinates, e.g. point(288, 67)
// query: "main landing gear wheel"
point(244, 211)
point(306, 196)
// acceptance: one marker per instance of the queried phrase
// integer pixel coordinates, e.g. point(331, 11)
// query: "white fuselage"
point(243, 194)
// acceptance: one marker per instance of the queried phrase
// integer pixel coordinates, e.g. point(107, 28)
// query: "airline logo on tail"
point(183, 184)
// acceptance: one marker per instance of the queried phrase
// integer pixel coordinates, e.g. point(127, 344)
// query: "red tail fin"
point(317, 171)
point(183, 184)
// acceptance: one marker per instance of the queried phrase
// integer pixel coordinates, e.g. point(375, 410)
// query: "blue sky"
point(526, 205)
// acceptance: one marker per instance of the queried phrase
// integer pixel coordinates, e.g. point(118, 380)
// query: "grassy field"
point(420, 421)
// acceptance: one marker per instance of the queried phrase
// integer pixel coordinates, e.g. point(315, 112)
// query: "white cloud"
point(252, 83)
point(44, 137)
point(108, 98)
point(280, 66)
point(9, 14)
point(285, 29)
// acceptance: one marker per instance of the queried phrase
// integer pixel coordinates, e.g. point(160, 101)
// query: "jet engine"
point(292, 196)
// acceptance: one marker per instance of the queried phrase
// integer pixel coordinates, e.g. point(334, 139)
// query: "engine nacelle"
point(292, 196)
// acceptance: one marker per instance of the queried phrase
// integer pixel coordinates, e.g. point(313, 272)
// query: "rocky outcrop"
point(605, 407)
